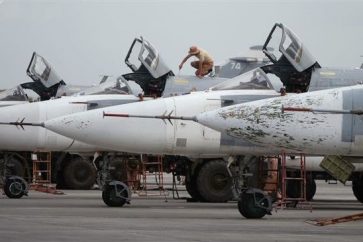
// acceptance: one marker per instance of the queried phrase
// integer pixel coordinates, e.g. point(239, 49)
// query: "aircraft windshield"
point(108, 87)
point(148, 59)
point(290, 46)
point(40, 70)
point(150, 55)
point(271, 50)
point(255, 79)
point(13, 94)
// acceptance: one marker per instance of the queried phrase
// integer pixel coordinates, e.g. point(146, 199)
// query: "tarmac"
point(82, 216)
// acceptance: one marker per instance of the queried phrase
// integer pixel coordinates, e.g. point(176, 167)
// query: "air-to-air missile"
point(295, 68)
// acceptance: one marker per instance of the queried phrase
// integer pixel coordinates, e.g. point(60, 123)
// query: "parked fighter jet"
point(296, 68)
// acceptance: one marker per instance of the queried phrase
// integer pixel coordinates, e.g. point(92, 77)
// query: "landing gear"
point(79, 174)
point(214, 183)
point(15, 187)
point(116, 194)
point(253, 204)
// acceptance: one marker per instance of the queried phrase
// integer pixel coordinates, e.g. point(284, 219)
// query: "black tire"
point(14, 188)
point(109, 196)
point(357, 187)
point(293, 188)
point(79, 174)
point(248, 208)
point(214, 182)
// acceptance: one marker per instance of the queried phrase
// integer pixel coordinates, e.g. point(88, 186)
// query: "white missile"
point(322, 122)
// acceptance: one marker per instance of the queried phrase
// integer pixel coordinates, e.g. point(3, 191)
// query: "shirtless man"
point(205, 63)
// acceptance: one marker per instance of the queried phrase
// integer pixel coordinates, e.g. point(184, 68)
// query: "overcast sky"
point(84, 39)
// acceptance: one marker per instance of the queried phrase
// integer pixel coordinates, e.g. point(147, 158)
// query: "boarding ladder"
point(300, 178)
point(42, 167)
point(152, 179)
point(42, 173)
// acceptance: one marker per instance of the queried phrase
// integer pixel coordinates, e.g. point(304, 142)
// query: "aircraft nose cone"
point(71, 125)
point(212, 119)
point(229, 118)
point(116, 131)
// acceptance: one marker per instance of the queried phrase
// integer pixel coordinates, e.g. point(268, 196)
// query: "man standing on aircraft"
point(205, 63)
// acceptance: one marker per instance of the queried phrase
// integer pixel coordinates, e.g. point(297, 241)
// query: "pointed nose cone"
point(236, 120)
point(136, 135)
point(264, 123)
point(213, 120)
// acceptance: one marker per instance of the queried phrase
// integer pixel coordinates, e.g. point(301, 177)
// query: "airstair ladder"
point(300, 200)
point(152, 181)
point(42, 173)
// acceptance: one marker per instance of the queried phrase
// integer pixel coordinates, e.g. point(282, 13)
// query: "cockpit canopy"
point(143, 53)
point(13, 94)
point(291, 60)
point(254, 79)
point(116, 86)
point(148, 69)
point(40, 70)
point(289, 45)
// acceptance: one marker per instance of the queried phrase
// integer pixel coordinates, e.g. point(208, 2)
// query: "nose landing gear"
point(254, 203)
point(116, 194)
point(15, 187)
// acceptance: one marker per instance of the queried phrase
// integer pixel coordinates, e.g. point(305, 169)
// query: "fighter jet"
point(295, 68)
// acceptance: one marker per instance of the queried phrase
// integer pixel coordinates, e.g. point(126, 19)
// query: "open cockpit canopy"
point(292, 61)
point(148, 68)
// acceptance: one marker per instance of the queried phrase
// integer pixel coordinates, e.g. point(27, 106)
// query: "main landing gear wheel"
point(214, 182)
point(116, 194)
point(79, 174)
point(254, 204)
point(15, 187)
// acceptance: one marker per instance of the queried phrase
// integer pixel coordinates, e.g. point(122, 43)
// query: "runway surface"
point(82, 216)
